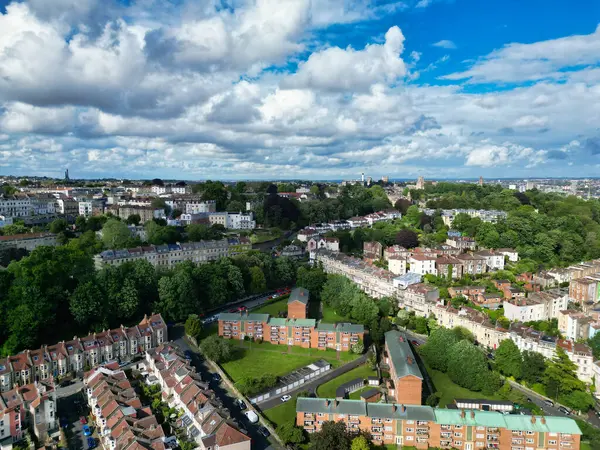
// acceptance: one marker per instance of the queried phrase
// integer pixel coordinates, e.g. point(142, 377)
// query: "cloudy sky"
point(312, 89)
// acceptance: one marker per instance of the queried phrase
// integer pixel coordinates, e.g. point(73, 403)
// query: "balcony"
point(309, 423)
point(492, 438)
point(493, 445)
point(446, 444)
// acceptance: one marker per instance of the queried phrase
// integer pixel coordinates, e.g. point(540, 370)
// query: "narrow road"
point(535, 398)
point(313, 385)
point(259, 442)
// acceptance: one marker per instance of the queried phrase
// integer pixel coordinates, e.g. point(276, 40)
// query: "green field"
point(330, 316)
point(450, 390)
point(585, 446)
point(286, 412)
point(327, 390)
point(273, 308)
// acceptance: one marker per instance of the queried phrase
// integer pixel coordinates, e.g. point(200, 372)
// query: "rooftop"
point(299, 295)
point(401, 355)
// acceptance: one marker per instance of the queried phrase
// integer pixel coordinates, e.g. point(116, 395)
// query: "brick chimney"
point(532, 419)
point(403, 408)
point(409, 360)
point(394, 408)
point(472, 414)
point(401, 338)
point(336, 402)
point(462, 414)
point(327, 402)
point(543, 420)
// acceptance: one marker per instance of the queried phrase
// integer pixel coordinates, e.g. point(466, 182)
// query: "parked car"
point(549, 402)
point(241, 404)
point(264, 431)
point(83, 420)
point(91, 442)
point(188, 355)
point(529, 400)
point(415, 343)
point(216, 377)
point(251, 416)
point(564, 410)
point(286, 398)
point(87, 431)
point(242, 308)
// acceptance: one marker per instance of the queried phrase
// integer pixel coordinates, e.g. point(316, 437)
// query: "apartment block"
point(298, 304)
point(146, 213)
point(422, 264)
point(473, 264)
point(204, 419)
point(306, 333)
point(405, 376)
point(170, 255)
point(120, 344)
point(538, 306)
point(425, 427)
point(493, 260)
point(420, 298)
point(397, 264)
point(585, 290)
point(449, 266)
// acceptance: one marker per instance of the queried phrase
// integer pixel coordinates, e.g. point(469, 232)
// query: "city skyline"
point(299, 90)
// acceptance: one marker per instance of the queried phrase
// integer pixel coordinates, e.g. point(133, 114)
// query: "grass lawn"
point(330, 316)
point(272, 308)
point(265, 235)
point(585, 446)
point(450, 390)
point(327, 390)
point(286, 412)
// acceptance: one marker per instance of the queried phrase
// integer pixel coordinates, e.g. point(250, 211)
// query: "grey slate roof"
point(399, 352)
point(331, 406)
point(299, 295)
point(244, 317)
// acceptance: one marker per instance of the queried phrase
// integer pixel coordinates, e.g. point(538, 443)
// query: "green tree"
point(193, 326)
point(285, 270)
point(358, 348)
point(290, 434)
point(360, 443)
point(133, 219)
point(312, 279)
point(257, 280)
point(508, 359)
point(87, 302)
point(578, 400)
point(332, 436)
point(115, 234)
point(560, 376)
point(463, 334)
point(217, 349)
point(58, 226)
point(437, 348)
point(467, 366)
point(533, 366)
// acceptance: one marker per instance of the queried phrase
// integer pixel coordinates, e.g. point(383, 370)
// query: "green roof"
point(399, 352)
point(244, 317)
point(299, 295)
point(277, 321)
point(326, 326)
point(471, 417)
point(350, 328)
point(302, 322)
point(331, 406)
point(553, 424)
point(475, 418)
point(406, 412)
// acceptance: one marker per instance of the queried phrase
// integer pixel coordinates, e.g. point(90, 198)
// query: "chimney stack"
point(462, 414)
point(401, 338)
point(394, 408)
point(403, 408)
point(543, 420)
point(472, 414)
point(336, 402)
point(532, 419)
point(327, 402)
point(409, 360)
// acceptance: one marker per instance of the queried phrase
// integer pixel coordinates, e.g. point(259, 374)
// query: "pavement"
point(313, 385)
point(227, 397)
point(532, 396)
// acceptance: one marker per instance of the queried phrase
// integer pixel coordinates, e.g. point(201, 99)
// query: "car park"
point(264, 431)
point(286, 398)
point(87, 431)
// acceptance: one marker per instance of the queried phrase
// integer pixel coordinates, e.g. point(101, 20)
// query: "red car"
point(242, 308)
point(415, 343)
point(83, 420)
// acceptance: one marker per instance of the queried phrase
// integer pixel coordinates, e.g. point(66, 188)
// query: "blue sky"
point(258, 89)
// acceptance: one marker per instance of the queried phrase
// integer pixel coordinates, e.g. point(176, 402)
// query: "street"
point(313, 385)
point(533, 396)
point(259, 442)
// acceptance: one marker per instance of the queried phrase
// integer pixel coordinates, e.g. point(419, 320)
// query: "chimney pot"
point(472, 414)
point(403, 408)
point(532, 419)
point(462, 414)
point(543, 420)
point(394, 408)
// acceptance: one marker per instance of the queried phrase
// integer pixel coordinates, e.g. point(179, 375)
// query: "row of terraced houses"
point(72, 357)
point(296, 329)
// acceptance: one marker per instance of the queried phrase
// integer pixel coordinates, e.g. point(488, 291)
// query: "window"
point(409, 438)
point(410, 430)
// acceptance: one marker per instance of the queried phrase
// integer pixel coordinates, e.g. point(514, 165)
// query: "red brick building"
point(298, 304)
point(405, 374)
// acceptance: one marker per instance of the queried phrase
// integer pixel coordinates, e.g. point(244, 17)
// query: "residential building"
point(374, 281)
point(372, 251)
point(120, 344)
point(405, 376)
point(298, 304)
point(28, 241)
point(32, 406)
point(538, 306)
point(292, 251)
point(493, 260)
point(461, 242)
point(5, 221)
point(469, 292)
point(233, 221)
point(120, 419)
point(307, 233)
point(197, 206)
point(490, 300)
point(577, 326)
point(420, 298)
point(320, 243)
point(146, 213)
point(397, 265)
point(67, 206)
point(422, 264)
point(424, 427)
point(204, 420)
point(510, 253)
point(172, 254)
point(18, 205)
point(584, 290)
point(473, 264)
point(306, 333)
point(449, 267)
point(448, 215)
point(396, 251)
point(486, 333)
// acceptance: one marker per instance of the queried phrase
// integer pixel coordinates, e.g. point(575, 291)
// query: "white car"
point(286, 398)
point(252, 416)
